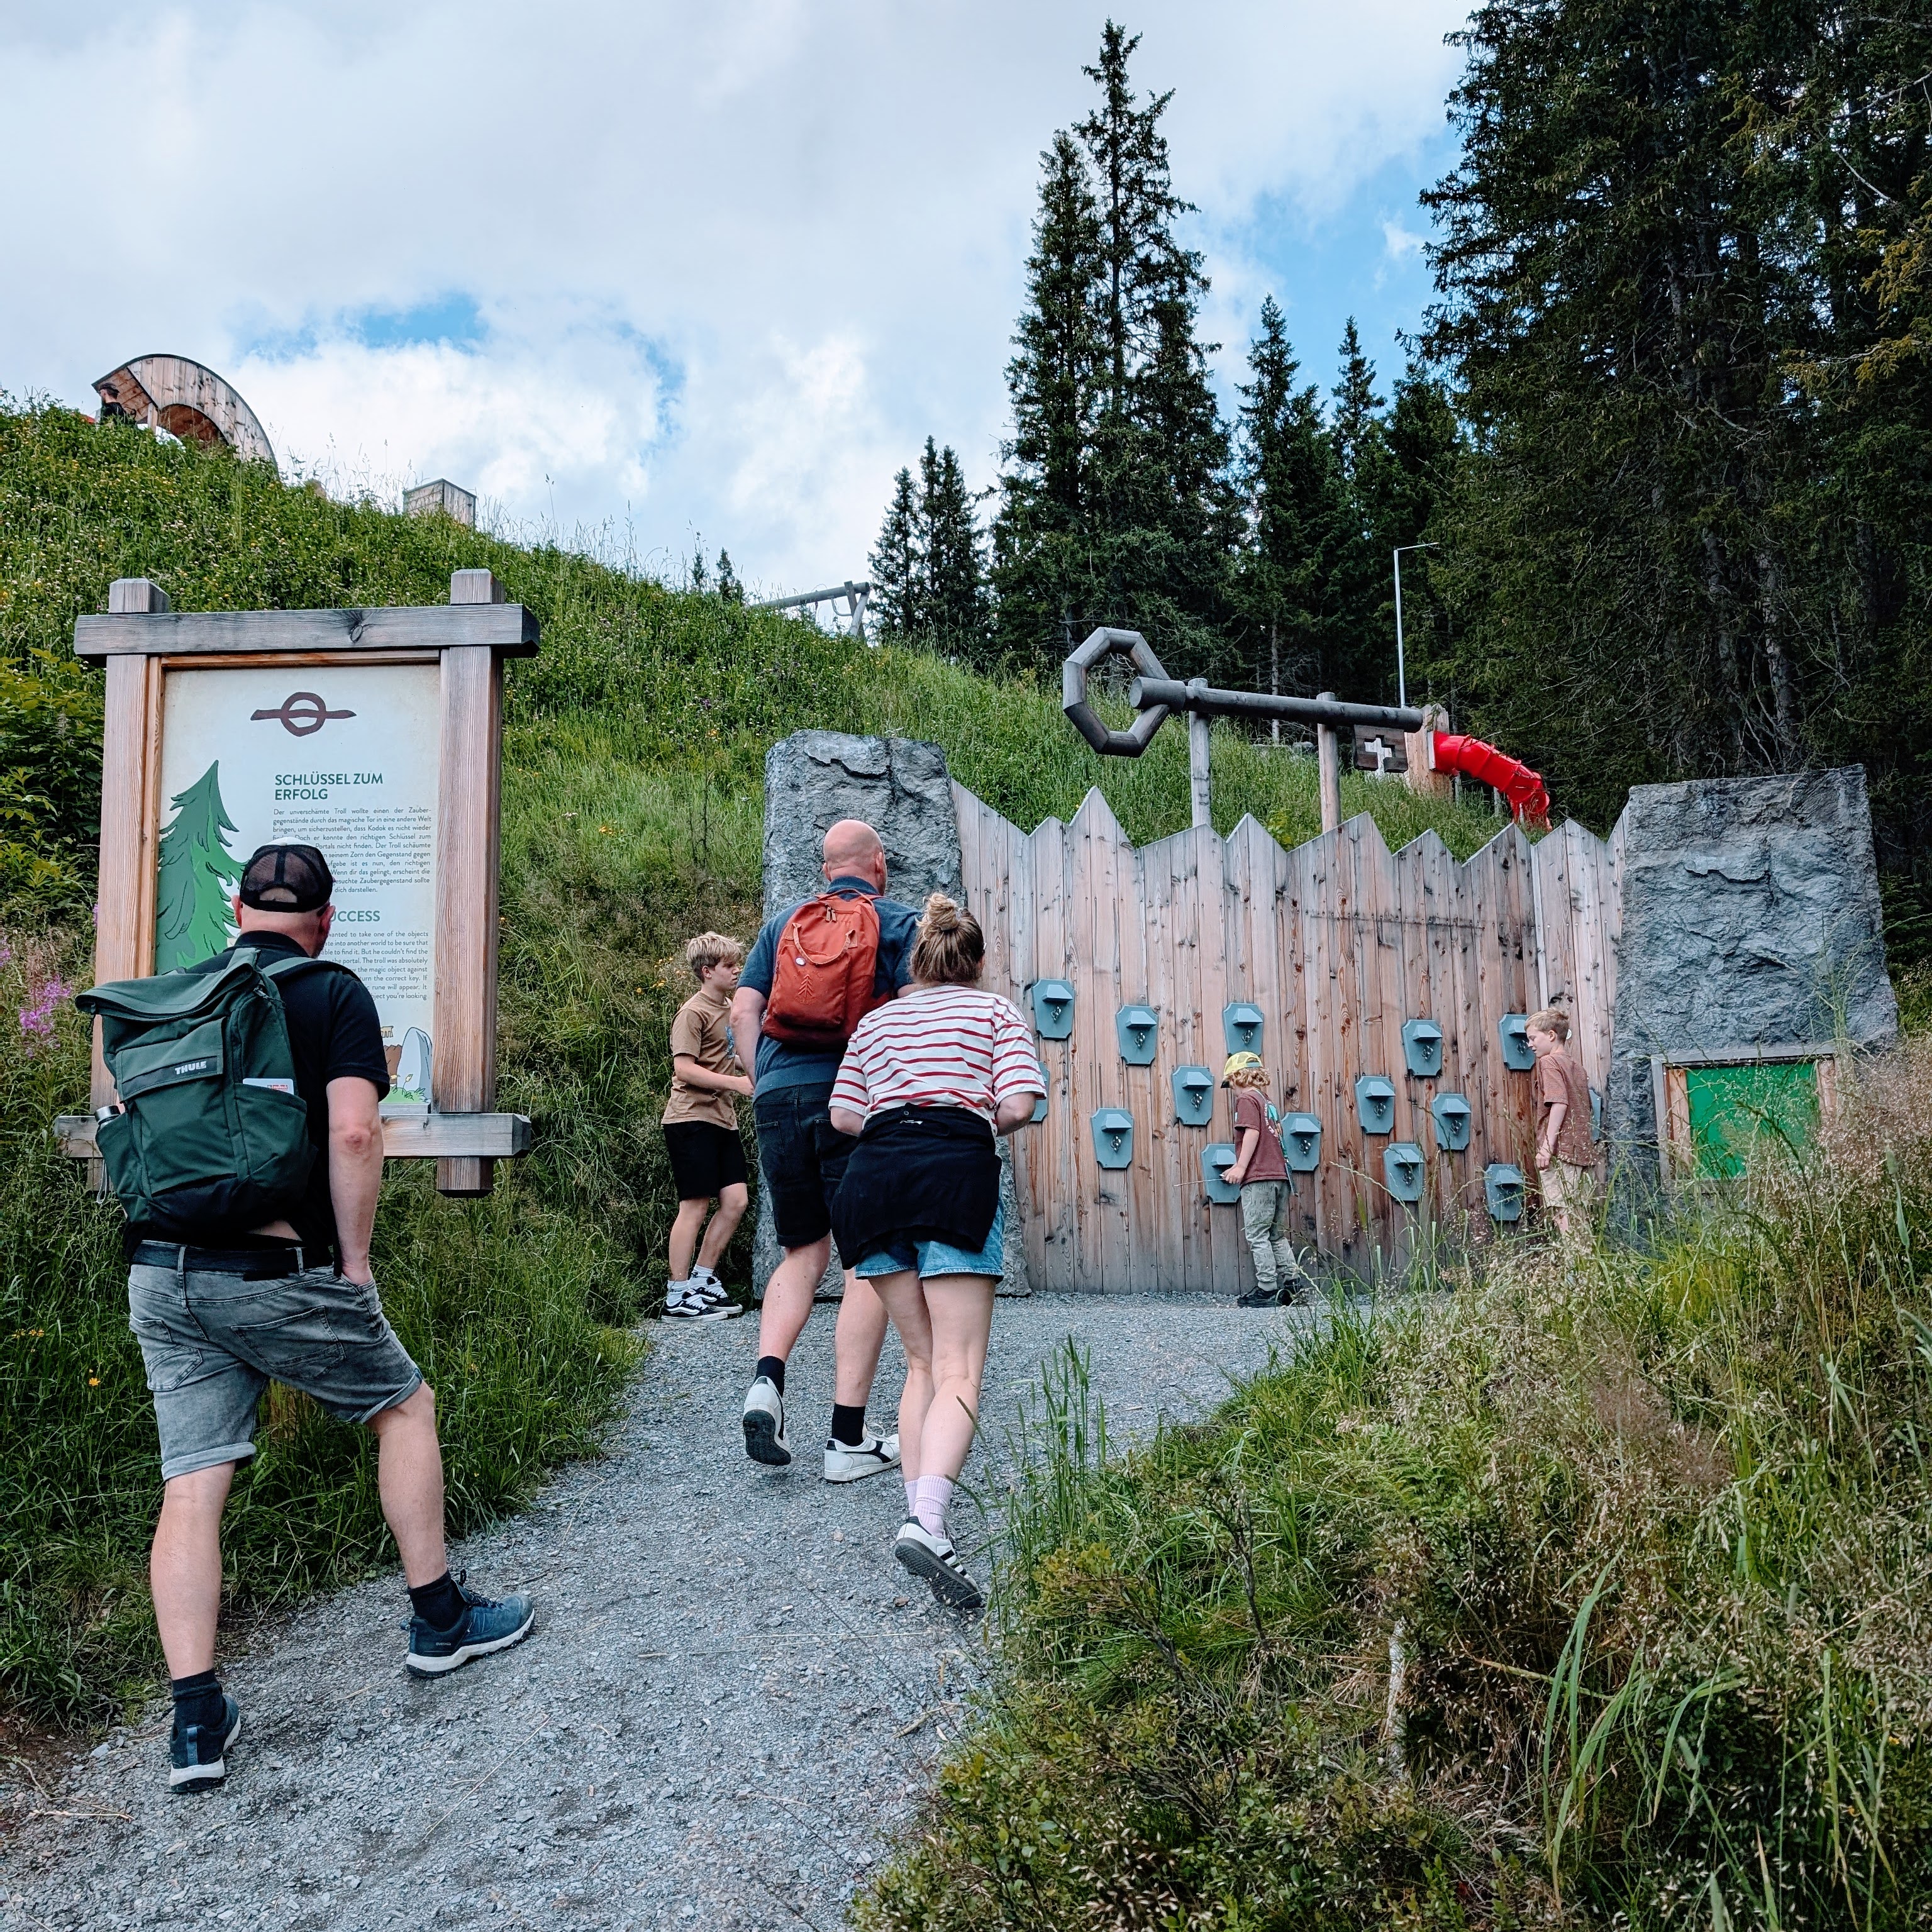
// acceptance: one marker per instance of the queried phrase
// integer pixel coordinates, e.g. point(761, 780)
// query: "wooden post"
point(1199, 783)
point(123, 935)
point(465, 1078)
point(1328, 760)
point(1422, 776)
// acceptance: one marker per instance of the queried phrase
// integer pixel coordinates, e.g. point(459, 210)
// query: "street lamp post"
point(1401, 670)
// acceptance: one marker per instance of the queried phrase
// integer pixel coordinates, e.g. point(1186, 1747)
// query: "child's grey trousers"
point(1265, 1222)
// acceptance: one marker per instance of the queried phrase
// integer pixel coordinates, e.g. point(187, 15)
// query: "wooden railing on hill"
point(1339, 942)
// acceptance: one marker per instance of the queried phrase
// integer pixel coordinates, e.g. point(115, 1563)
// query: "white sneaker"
point(933, 1558)
point(764, 1424)
point(853, 1462)
point(685, 1303)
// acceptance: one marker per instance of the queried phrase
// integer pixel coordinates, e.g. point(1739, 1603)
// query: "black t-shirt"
point(333, 1033)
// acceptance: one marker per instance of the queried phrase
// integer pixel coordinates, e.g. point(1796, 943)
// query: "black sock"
point(197, 1700)
point(772, 1369)
point(439, 1604)
point(848, 1423)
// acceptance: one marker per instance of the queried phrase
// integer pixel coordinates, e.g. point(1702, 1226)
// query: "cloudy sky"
point(638, 272)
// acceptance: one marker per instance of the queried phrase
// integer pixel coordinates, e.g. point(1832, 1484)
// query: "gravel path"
point(730, 1697)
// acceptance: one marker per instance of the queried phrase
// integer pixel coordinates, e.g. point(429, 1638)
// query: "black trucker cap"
point(286, 878)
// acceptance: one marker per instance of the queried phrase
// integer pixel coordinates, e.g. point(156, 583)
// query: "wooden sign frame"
point(1670, 1095)
point(141, 639)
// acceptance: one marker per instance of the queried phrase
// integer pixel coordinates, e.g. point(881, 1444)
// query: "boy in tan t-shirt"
point(1260, 1170)
point(1566, 1156)
point(700, 1131)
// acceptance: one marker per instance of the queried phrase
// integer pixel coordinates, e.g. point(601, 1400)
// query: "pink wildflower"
point(37, 1021)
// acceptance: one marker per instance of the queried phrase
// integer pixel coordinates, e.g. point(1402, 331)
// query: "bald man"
point(802, 1159)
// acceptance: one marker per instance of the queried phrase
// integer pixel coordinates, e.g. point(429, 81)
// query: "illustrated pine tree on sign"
point(198, 876)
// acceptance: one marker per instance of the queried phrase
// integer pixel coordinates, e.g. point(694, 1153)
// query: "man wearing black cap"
point(221, 1312)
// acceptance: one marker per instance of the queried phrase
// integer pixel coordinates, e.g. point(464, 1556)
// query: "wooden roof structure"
point(186, 400)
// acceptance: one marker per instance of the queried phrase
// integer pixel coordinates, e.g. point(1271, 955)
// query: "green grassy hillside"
point(1648, 1530)
point(632, 815)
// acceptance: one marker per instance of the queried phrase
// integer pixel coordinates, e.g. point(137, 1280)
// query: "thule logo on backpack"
point(194, 1066)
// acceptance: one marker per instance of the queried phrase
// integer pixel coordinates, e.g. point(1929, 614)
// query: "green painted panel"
point(1731, 1107)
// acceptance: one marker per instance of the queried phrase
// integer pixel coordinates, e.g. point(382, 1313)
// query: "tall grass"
point(1650, 1528)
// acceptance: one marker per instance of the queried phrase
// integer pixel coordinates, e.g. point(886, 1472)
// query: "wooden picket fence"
point(1338, 942)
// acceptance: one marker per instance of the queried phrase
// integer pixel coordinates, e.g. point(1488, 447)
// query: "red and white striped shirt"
point(939, 1046)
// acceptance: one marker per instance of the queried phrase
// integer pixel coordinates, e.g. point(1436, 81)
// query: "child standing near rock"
point(700, 1131)
point(1566, 1156)
point(1260, 1171)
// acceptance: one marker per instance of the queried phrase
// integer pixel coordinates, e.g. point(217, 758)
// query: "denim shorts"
point(932, 1258)
point(803, 1157)
point(213, 1343)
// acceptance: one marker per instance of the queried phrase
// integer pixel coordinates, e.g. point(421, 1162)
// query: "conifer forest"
point(1664, 427)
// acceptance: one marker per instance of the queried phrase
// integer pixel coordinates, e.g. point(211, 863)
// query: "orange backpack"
point(827, 960)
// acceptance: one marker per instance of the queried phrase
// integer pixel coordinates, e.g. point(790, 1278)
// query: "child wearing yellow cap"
point(1260, 1171)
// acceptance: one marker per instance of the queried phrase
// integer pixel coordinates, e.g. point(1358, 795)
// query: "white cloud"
point(729, 264)
point(1399, 244)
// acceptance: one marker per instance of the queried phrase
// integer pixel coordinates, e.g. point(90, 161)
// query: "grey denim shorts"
point(213, 1343)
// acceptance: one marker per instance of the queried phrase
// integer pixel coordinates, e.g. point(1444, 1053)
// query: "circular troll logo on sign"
point(303, 714)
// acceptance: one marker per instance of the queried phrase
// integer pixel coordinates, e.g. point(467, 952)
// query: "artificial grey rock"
point(902, 788)
point(1750, 918)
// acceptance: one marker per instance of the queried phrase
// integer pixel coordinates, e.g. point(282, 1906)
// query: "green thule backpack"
point(210, 1132)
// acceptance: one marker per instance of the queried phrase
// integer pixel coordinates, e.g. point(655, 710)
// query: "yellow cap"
point(1236, 1062)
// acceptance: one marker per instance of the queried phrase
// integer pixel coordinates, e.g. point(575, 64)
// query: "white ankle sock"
point(931, 1494)
point(912, 1495)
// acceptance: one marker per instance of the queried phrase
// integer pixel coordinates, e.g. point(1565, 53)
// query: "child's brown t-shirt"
point(1560, 1077)
point(702, 1030)
point(1251, 1116)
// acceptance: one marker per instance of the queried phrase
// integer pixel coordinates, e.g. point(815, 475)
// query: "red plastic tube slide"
point(1529, 801)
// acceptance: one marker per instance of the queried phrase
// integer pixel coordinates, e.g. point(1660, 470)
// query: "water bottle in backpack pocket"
point(210, 1133)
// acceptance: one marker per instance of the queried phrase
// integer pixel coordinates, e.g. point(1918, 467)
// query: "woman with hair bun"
point(927, 1083)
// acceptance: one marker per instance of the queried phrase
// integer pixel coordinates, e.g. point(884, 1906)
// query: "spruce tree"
point(897, 564)
point(1041, 565)
point(1676, 546)
point(1357, 426)
point(955, 614)
point(1117, 507)
point(1298, 515)
point(198, 876)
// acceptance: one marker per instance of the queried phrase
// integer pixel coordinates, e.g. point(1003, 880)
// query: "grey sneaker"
point(485, 1626)
point(853, 1462)
point(935, 1558)
point(764, 1424)
point(197, 1753)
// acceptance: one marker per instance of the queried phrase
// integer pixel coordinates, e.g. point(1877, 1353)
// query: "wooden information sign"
point(375, 735)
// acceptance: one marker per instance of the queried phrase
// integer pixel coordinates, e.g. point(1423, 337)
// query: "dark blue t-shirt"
point(780, 1064)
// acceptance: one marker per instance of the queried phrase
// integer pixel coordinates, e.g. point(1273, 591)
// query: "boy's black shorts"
point(705, 1160)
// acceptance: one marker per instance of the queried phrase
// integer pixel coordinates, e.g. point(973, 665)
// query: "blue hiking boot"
point(484, 1626)
point(197, 1759)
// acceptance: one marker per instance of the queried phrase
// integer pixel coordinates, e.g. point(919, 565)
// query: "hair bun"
point(942, 914)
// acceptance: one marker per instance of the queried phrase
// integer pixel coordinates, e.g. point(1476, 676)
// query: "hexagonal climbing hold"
point(1451, 1114)
point(1193, 1095)
point(1114, 1137)
point(1422, 1048)
point(1375, 1103)
point(1301, 1142)
point(1137, 1028)
point(1503, 1190)
point(1052, 1008)
point(1403, 1168)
